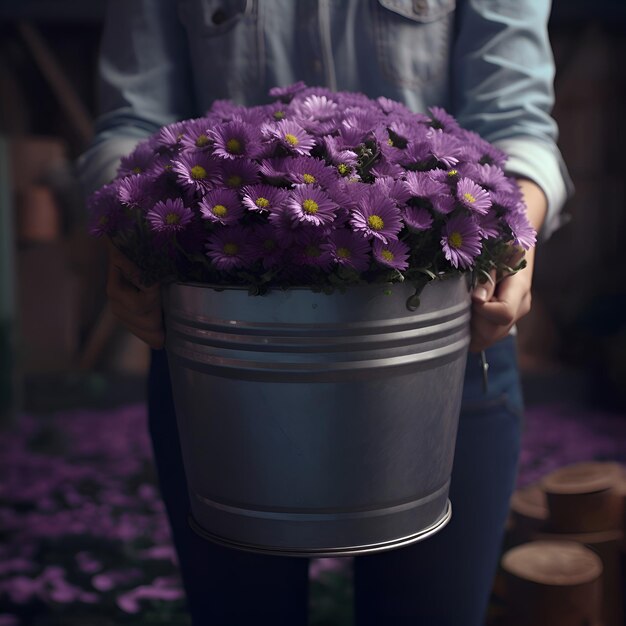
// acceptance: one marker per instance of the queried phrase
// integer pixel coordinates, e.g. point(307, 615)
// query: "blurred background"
point(82, 532)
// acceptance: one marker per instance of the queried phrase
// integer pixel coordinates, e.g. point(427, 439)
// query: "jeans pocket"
point(413, 39)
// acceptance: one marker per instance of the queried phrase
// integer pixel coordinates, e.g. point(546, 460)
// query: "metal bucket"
point(314, 424)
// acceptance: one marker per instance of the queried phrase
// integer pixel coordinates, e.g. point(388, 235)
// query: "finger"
point(154, 338)
point(485, 332)
point(483, 291)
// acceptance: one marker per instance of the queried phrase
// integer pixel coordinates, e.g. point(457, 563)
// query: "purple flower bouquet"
point(316, 189)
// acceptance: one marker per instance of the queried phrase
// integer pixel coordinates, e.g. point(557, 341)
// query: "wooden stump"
point(529, 514)
point(553, 584)
point(606, 545)
point(584, 498)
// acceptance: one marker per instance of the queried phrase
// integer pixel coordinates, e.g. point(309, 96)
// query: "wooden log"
point(584, 498)
point(607, 545)
point(528, 514)
point(552, 584)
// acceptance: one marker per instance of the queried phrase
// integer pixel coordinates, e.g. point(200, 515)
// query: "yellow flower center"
point(137, 170)
point(202, 141)
point(469, 197)
point(455, 239)
point(172, 218)
point(233, 146)
point(234, 181)
point(343, 253)
point(291, 139)
point(375, 222)
point(220, 210)
point(308, 178)
point(198, 172)
point(310, 206)
point(262, 203)
point(453, 173)
point(343, 169)
point(279, 115)
point(313, 251)
point(387, 255)
point(390, 141)
point(230, 248)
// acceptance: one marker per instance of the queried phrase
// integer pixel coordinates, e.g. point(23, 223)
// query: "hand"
point(138, 307)
point(497, 306)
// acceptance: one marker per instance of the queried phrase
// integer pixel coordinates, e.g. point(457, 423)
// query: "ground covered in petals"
point(83, 533)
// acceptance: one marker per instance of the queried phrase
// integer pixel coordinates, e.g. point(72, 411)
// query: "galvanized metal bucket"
point(314, 424)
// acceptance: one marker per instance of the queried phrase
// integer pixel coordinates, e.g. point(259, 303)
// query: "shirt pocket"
point(413, 40)
point(224, 45)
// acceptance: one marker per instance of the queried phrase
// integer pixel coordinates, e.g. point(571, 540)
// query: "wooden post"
point(552, 584)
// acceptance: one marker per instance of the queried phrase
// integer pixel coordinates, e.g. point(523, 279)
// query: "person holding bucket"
point(490, 65)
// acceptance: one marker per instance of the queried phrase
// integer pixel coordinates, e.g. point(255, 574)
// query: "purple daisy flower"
point(476, 149)
point(238, 173)
point(445, 148)
point(221, 206)
point(441, 119)
point(524, 234)
point(394, 254)
point(377, 216)
point(170, 136)
point(417, 156)
point(417, 218)
point(235, 140)
point(422, 185)
point(196, 170)
point(134, 191)
point(194, 135)
point(169, 216)
point(287, 93)
point(310, 205)
point(265, 246)
point(473, 196)
point(228, 248)
point(318, 108)
point(309, 171)
point(309, 249)
point(291, 136)
point(263, 198)
point(274, 170)
point(138, 161)
point(460, 241)
point(489, 225)
point(507, 200)
point(394, 188)
point(345, 161)
point(386, 169)
point(489, 177)
point(429, 191)
point(349, 249)
point(107, 215)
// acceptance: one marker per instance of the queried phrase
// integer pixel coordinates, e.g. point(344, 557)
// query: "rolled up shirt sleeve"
point(144, 83)
point(503, 89)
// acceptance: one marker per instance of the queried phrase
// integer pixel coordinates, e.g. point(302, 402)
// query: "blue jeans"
point(443, 581)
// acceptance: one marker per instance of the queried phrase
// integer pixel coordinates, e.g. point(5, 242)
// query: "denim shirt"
point(488, 62)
